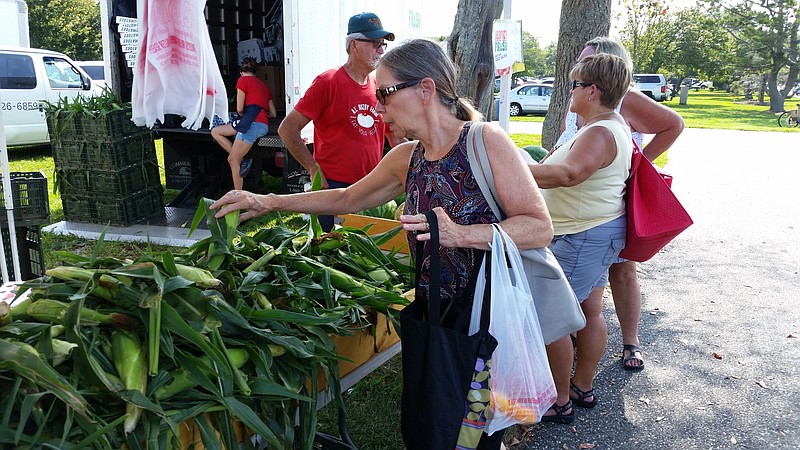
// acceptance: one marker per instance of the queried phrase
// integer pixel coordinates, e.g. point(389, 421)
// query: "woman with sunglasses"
point(583, 183)
point(417, 98)
point(644, 116)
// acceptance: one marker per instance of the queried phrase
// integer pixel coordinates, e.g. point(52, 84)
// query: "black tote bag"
point(438, 361)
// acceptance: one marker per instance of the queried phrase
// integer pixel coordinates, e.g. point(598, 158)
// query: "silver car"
point(531, 98)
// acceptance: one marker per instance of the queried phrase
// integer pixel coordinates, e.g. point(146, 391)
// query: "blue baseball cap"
point(369, 25)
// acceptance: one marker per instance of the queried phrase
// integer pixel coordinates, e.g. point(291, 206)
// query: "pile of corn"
point(109, 353)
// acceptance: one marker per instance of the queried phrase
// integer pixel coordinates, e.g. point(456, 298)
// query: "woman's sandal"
point(632, 351)
point(559, 416)
point(581, 400)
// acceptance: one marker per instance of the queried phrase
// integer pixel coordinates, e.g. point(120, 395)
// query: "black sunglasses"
point(375, 44)
point(381, 94)
point(576, 83)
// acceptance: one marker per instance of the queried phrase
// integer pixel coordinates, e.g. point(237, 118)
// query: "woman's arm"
point(647, 116)
point(384, 183)
point(240, 96)
point(272, 111)
point(527, 220)
point(594, 149)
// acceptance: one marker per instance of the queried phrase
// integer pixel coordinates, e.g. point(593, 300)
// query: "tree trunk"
point(470, 48)
point(581, 20)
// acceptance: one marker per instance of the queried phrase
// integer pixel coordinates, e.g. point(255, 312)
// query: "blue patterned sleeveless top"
point(450, 184)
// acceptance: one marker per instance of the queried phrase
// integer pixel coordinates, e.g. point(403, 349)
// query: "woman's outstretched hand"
point(253, 205)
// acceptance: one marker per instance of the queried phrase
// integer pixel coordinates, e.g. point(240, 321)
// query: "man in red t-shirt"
point(348, 132)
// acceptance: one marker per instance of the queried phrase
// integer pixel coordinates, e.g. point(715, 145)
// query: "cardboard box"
point(272, 55)
point(275, 79)
point(400, 241)
point(251, 48)
point(361, 347)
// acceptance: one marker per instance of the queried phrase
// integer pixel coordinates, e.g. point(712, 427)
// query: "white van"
point(29, 76)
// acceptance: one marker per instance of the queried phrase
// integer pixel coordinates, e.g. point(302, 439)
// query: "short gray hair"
point(350, 38)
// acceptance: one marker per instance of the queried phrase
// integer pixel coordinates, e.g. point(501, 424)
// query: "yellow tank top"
point(600, 198)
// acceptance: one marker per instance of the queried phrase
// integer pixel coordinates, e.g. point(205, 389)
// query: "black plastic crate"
point(69, 153)
point(79, 208)
point(110, 127)
point(131, 209)
point(126, 181)
point(64, 125)
point(121, 153)
point(31, 202)
point(73, 182)
point(29, 247)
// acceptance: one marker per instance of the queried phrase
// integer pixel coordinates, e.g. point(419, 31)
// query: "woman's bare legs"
point(591, 341)
point(236, 150)
point(628, 304)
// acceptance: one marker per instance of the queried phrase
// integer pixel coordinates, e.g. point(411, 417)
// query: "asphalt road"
point(720, 324)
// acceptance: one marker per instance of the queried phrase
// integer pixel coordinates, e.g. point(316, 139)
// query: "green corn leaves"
point(107, 352)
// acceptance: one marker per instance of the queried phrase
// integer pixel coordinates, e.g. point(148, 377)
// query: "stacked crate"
point(106, 169)
point(31, 211)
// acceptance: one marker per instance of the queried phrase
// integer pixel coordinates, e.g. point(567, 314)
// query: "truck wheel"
point(515, 109)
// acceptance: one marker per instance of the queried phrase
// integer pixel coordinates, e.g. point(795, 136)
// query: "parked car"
point(531, 98)
point(96, 71)
point(653, 85)
point(29, 77)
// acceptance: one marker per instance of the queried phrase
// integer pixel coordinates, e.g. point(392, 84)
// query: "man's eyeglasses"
point(381, 94)
point(576, 84)
point(375, 44)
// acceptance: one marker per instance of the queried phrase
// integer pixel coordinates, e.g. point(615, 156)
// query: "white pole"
point(505, 81)
point(9, 200)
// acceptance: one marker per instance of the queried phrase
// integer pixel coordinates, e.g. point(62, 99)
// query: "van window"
point(17, 72)
point(61, 73)
point(647, 78)
point(94, 72)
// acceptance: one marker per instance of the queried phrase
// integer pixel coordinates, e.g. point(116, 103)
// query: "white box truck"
point(299, 39)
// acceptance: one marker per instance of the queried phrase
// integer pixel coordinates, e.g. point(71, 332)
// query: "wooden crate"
point(379, 225)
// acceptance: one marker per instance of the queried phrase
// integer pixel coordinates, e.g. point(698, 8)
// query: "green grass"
point(373, 404)
point(720, 110)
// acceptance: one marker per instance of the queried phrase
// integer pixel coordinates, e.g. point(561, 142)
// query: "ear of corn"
point(183, 380)
point(53, 311)
point(201, 277)
point(130, 362)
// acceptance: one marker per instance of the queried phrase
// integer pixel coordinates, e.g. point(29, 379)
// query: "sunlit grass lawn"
point(717, 110)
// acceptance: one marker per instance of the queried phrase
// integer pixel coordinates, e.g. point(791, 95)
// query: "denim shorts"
point(586, 256)
point(256, 130)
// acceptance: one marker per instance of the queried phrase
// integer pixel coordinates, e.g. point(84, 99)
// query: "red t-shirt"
point(255, 93)
point(348, 132)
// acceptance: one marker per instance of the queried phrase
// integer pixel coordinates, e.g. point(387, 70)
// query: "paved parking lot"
point(720, 320)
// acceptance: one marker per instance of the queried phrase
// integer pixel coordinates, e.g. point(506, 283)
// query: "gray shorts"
point(586, 256)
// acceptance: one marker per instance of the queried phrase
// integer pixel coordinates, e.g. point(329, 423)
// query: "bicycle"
point(790, 118)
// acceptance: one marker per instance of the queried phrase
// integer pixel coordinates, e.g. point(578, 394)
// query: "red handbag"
point(654, 214)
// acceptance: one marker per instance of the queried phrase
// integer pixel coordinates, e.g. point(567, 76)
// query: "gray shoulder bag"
point(556, 304)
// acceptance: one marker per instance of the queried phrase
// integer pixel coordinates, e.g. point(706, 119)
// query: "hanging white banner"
point(507, 44)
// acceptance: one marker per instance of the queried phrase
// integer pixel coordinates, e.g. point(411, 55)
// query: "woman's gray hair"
point(602, 44)
point(416, 59)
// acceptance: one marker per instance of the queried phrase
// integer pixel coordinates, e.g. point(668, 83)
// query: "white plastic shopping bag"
point(522, 387)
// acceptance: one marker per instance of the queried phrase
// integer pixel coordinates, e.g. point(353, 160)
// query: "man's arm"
point(289, 131)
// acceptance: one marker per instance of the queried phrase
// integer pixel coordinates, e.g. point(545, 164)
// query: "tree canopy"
point(71, 27)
